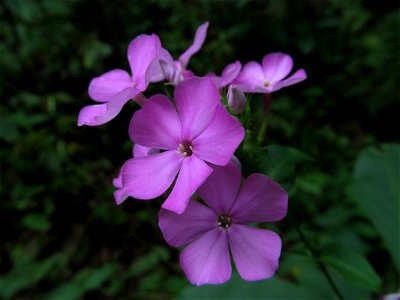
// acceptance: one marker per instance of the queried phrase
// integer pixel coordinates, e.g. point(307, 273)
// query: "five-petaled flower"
point(116, 87)
point(211, 231)
point(268, 77)
point(197, 132)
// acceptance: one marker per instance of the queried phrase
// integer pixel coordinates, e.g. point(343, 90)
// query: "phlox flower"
point(236, 99)
point(116, 87)
point(212, 232)
point(198, 131)
point(268, 77)
point(175, 71)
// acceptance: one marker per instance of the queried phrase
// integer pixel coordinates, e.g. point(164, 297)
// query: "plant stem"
point(264, 125)
point(320, 264)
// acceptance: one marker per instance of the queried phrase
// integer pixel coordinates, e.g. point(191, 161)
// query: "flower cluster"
point(188, 144)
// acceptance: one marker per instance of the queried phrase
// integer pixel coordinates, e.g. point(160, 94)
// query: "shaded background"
point(330, 142)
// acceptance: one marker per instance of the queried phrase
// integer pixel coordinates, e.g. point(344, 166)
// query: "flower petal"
point(114, 106)
point(276, 66)
point(230, 72)
point(199, 39)
point(236, 99)
point(156, 125)
point(297, 77)
point(191, 176)
point(255, 251)
point(119, 194)
point(155, 72)
point(217, 143)
point(180, 230)
point(260, 200)
point(106, 86)
point(252, 75)
point(150, 176)
point(196, 100)
point(88, 114)
point(140, 151)
point(220, 189)
point(142, 50)
point(206, 260)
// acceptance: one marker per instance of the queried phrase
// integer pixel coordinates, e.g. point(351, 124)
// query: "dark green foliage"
point(64, 238)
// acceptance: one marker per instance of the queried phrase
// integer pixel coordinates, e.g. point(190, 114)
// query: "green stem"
point(264, 125)
point(321, 266)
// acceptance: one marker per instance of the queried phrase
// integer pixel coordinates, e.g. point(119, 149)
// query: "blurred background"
point(331, 142)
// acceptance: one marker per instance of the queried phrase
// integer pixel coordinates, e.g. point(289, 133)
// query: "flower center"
point(266, 84)
point(224, 221)
point(185, 149)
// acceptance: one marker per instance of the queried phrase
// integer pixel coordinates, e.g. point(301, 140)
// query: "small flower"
point(116, 87)
point(199, 130)
point(175, 71)
point(214, 231)
point(269, 77)
point(228, 75)
point(236, 99)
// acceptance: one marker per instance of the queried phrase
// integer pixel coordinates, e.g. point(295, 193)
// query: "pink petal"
point(88, 114)
point(260, 200)
point(140, 151)
point(220, 189)
point(119, 195)
point(191, 176)
point(252, 75)
point(217, 143)
point(114, 106)
point(150, 176)
point(196, 100)
point(297, 77)
point(230, 73)
point(141, 52)
point(106, 86)
point(199, 39)
point(156, 125)
point(171, 72)
point(206, 260)
point(255, 251)
point(180, 230)
point(276, 66)
point(155, 72)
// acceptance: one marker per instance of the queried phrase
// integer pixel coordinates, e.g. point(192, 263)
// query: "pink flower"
point(269, 77)
point(228, 75)
point(199, 130)
point(236, 99)
point(210, 232)
point(116, 87)
point(175, 71)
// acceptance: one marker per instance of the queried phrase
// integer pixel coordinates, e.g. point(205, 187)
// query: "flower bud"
point(236, 99)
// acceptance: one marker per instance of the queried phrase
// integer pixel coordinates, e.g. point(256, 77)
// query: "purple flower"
point(175, 71)
point(269, 77)
point(199, 130)
point(116, 87)
point(214, 231)
point(228, 75)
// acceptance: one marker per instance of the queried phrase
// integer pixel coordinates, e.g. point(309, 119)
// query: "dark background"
point(62, 235)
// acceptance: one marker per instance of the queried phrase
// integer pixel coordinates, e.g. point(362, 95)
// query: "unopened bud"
point(236, 99)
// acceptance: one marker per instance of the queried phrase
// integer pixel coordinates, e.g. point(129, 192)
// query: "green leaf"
point(36, 222)
point(375, 189)
point(352, 268)
point(280, 163)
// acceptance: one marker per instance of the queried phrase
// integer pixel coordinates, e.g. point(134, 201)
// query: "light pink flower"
point(211, 232)
point(269, 77)
point(197, 131)
point(116, 87)
point(175, 71)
